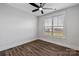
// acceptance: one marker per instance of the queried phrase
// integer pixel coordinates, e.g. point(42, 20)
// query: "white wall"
point(71, 24)
point(16, 27)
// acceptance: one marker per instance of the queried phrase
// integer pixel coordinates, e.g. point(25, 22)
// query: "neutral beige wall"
point(16, 27)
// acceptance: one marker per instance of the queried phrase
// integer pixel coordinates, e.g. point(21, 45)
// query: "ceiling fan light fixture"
point(40, 9)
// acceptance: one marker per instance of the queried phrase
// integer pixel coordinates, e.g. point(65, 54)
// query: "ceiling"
point(28, 8)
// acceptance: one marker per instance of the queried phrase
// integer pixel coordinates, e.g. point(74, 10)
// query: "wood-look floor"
point(38, 48)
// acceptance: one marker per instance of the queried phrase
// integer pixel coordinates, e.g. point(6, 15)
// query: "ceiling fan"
point(40, 7)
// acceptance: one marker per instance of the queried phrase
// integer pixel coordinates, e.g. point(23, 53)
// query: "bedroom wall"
point(71, 24)
point(16, 27)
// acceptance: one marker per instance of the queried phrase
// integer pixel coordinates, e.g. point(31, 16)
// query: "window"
point(54, 26)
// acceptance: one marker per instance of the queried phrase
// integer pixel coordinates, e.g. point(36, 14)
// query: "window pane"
point(54, 21)
point(48, 22)
point(61, 20)
point(55, 26)
point(48, 26)
point(58, 31)
point(58, 26)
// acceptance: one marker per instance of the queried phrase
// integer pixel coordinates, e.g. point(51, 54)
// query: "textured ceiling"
point(28, 8)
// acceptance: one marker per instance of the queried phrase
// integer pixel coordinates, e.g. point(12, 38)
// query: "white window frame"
point(63, 25)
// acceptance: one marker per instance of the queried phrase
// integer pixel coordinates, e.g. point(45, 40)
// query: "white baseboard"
point(14, 44)
point(61, 44)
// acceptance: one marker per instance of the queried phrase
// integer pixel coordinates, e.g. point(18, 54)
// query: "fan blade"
point(35, 10)
point(33, 4)
point(42, 12)
point(49, 8)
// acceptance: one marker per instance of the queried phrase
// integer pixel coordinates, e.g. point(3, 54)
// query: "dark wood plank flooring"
point(39, 48)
